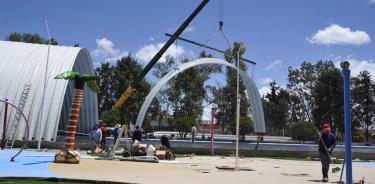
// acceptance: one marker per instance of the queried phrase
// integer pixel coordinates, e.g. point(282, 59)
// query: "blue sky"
point(277, 34)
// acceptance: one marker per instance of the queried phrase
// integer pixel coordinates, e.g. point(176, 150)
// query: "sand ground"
point(202, 169)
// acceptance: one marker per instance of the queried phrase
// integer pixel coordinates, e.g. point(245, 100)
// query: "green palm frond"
point(90, 80)
point(68, 75)
point(92, 85)
point(87, 77)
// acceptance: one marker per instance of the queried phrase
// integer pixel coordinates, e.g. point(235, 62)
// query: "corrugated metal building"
point(22, 76)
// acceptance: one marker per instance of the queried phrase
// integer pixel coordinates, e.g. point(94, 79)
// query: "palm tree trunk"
point(75, 108)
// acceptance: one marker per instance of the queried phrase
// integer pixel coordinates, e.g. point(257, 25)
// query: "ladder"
point(16, 121)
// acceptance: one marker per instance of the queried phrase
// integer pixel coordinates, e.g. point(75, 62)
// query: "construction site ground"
point(191, 169)
point(203, 169)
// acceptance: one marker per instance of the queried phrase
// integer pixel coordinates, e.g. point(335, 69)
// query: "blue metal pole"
point(347, 119)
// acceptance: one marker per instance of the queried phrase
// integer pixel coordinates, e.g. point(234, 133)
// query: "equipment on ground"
point(151, 159)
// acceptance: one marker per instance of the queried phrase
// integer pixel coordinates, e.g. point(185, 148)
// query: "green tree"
point(300, 84)
point(184, 124)
point(303, 131)
point(106, 97)
point(161, 69)
point(228, 98)
point(276, 109)
point(125, 72)
point(185, 93)
point(112, 117)
point(189, 86)
point(328, 96)
point(29, 38)
point(246, 127)
point(363, 103)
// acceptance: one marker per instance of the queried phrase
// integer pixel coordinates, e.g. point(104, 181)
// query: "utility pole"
point(347, 120)
point(213, 112)
point(237, 107)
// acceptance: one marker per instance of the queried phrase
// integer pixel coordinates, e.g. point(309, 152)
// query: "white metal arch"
point(252, 91)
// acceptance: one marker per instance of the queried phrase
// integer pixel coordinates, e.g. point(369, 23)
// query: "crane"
point(133, 86)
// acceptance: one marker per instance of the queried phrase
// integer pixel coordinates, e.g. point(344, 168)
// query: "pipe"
point(347, 120)
point(27, 128)
point(3, 142)
point(208, 47)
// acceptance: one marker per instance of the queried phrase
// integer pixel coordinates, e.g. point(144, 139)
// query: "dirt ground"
point(202, 169)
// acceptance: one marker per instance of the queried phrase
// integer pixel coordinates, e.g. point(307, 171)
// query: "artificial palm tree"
point(70, 155)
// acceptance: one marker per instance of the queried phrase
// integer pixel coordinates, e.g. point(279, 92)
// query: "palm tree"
point(79, 83)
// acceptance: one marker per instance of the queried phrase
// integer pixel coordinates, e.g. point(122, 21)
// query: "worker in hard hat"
point(327, 142)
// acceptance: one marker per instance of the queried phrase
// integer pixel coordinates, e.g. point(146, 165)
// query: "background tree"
point(276, 109)
point(160, 70)
point(363, 103)
point(303, 131)
point(106, 97)
point(189, 86)
point(246, 127)
point(300, 84)
point(328, 96)
point(115, 79)
point(186, 92)
point(125, 73)
point(29, 38)
point(228, 100)
point(184, 124)
point(316, 94)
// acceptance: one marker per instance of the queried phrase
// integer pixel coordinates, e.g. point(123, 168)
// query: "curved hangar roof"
point(23, 64)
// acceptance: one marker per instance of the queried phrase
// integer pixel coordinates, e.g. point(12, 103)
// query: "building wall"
point(24, 63)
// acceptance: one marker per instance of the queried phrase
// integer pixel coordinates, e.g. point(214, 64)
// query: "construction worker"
point(103, 128)
point(116, 132)
point(193, 133)
point(137, 134)
point(327, 142)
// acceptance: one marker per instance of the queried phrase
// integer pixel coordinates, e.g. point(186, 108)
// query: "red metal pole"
point(212, 133)
point(3, 142)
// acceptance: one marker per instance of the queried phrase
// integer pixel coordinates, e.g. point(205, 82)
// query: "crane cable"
point(220, 24)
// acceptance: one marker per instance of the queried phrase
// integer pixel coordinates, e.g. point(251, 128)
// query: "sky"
point(277, 34)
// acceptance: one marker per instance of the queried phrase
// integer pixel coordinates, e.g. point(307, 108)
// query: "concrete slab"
point(202, 169)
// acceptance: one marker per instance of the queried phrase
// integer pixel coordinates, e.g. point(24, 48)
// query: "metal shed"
point(22, 76)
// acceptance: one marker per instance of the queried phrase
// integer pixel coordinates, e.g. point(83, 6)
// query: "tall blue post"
point(348, 120)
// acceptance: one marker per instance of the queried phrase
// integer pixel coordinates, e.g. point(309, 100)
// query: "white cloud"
point(356, 66)
point(273, 65)
point(146, 53)
point(372, 1)
point(151, 38)
point(337, 35)
point(264, 90)
point(189, 29)
point(206, 115)
point(106, 52)
point(264, 81)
